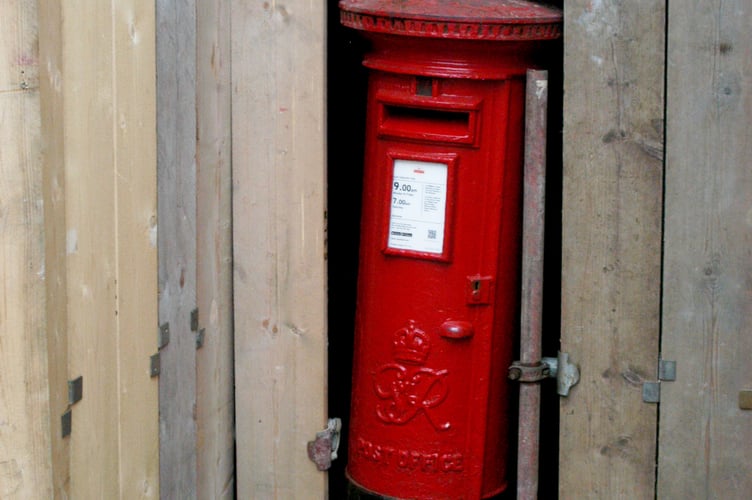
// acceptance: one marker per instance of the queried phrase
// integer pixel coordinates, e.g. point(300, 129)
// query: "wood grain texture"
point(176, 160)
point(25, 462)
point(215, 395)
point(278, 158)
point(91, 239)
point(98, 110)
point(704, 436)
point(52, 106)
point(611, 248)
point(134, 136)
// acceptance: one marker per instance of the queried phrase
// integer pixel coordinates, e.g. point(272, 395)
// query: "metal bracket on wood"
point(66, 423)
point(566, 374)
point(75, 394)
point(666, 370)
point(164, 335)
point(745, 400)
point(651, 391)
point(200, 338)
point(323, 450)
point(194, 320)
point(154, 365)
point(75, 390)
point(198, 331)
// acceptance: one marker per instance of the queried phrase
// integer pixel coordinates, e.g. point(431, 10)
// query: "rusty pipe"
point(533, 212)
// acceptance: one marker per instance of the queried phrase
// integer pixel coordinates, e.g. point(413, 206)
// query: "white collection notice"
point(416, 221)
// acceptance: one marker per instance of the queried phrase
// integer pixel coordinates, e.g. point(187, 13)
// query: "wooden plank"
point(215, 395)
point(176, 160)
point(611, 244)
point(52, 107)
point(98, 111)
point(134, 127)
point(705, 437)
point(278, 158)
point(91, 245)
point(25, 461)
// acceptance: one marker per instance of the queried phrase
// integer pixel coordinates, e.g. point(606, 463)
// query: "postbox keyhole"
point(478, 289)
point(424, 86)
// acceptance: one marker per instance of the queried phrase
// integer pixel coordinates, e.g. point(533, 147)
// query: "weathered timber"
point(705, 436)
point(611, 244)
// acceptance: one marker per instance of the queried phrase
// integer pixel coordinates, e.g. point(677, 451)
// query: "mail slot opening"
point(428, 123)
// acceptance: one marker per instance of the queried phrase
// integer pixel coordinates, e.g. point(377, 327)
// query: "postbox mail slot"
point(428, 124)
point(449, 119)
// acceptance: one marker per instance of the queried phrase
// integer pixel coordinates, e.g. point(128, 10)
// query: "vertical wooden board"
point(91, 245)
point(98, 109)
point(611, 237)
point(705, 437)
point(215, 415)
point(133, 24)
point(279, 276)
point(52, 101)
point(176, 160)
point(25, 466)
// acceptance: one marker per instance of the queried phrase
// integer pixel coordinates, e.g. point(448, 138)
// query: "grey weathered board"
point(176, 161)
point(705, 438)
point(215, 411)
point(611, 248)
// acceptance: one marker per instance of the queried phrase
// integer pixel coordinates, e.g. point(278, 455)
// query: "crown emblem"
point(411, 344)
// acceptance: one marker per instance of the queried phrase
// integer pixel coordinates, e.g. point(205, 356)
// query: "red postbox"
point(440, 242)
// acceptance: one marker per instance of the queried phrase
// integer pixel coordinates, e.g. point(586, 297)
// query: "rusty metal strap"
point(529, 373)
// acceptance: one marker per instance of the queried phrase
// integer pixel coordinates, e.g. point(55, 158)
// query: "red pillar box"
point(440, 242)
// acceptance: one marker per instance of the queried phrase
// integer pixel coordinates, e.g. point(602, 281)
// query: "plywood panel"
point(704, 435)
point(279, 247)
point(611, 232)
point(25, 465)
point(215, 395)
point(176, 126)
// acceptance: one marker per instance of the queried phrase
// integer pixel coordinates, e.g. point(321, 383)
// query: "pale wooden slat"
point(611, 231)
point(707, 313)
point(278, 226)
point(91, 239)
point(53, 157)
point(135, 219)
point(98, 110)
point(176, 151)
point(25, 465)
point(215, 416)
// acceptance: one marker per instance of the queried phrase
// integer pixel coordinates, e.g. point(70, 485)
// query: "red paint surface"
point(434, 331)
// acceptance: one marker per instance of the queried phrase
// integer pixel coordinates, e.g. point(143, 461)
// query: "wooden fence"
point(217, 109)
point(78, 414)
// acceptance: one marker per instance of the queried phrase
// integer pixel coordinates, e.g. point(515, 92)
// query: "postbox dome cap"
point(466, 19)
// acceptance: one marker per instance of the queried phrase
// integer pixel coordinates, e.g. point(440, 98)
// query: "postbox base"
point(357, 492)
